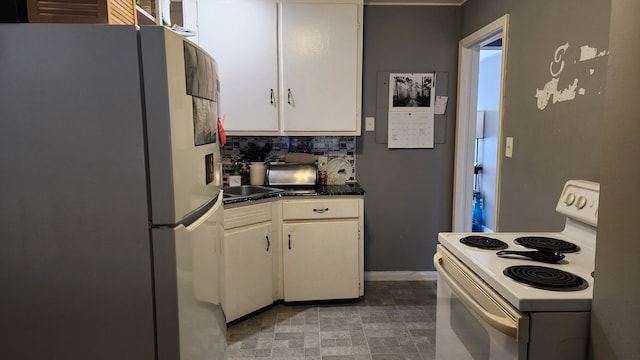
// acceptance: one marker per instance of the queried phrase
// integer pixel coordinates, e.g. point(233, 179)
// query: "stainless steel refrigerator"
point(110, 204)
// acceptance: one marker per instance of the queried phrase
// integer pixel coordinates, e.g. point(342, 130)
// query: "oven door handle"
point(504, 324)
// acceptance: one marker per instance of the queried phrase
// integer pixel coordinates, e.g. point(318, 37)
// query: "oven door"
point(473, 321)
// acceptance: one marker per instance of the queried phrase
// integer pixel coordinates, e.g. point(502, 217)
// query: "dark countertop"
point(302, 191)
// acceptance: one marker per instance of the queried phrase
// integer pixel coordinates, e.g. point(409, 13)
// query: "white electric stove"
point(523, 308)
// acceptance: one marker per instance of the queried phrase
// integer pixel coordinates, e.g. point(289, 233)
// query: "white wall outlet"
point(370, 124)
point(508, 149)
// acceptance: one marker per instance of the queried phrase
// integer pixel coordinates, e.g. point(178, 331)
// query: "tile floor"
point(394, 321)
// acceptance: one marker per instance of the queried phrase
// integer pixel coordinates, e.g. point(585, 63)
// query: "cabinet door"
point(320, 67)
point(321, 260)
point(248, 272)
point(242, 36)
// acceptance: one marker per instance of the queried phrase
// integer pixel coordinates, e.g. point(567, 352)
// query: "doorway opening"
point(479, 127)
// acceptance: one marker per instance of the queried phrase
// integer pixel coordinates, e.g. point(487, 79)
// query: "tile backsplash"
point(330, 146)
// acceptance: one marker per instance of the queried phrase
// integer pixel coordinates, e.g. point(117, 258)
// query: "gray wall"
point(409, 192)
point(616, 309)
point(563, 140)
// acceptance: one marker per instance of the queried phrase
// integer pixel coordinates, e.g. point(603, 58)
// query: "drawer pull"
point(321, 211)
point(268, 243)
point(289, 241)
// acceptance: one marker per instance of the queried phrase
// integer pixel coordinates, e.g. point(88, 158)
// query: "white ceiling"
point(416, 2)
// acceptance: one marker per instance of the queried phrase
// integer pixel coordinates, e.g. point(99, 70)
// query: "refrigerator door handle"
point(207, 214)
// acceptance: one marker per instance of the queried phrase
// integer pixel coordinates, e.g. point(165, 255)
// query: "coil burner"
point(483, 242)
point(546, 278)
point(546, 243)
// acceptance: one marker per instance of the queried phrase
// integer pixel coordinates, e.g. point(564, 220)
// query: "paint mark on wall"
point(550, 92)
point(557, 59)
point(589, 53)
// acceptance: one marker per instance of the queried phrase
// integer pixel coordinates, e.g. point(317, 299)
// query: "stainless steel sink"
point(248, 191)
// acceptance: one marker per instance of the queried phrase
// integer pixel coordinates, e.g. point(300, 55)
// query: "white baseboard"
point(399, 275)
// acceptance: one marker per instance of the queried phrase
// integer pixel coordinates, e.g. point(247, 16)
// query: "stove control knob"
point(569, 199)
point(582, 201)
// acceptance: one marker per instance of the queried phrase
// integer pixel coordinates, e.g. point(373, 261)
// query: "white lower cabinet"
point(248, 260)
point(321, 260)
point(322, 249)
point(292, 249)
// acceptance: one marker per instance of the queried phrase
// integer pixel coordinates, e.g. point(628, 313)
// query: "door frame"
point(468, 66)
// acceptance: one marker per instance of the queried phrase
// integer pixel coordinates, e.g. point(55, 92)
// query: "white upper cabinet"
point(286, 67)
point(241, 36)
point(320, 67)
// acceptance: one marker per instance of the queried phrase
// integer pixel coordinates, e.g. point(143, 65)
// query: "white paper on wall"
point(411, 110)
point(441, 104)
point(410, 130)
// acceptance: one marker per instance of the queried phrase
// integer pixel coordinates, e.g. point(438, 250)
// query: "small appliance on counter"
point(287, 174)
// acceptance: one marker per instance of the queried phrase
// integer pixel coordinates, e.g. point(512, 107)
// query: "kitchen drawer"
point(320, 209)
point(247, 215)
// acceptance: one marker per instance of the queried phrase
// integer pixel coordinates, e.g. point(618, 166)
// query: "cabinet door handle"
point(321, 211)
point(273, 99)
point(289, 241)
point(268, 243)
point(289, 96)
